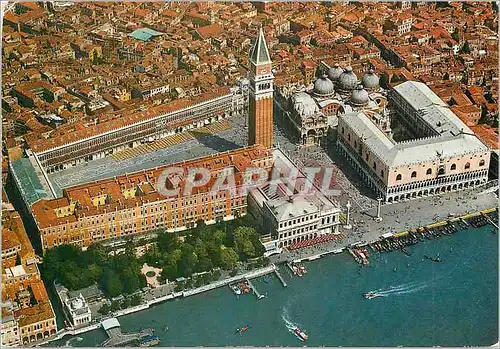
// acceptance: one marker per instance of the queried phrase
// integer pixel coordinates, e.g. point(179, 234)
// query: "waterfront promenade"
point(163, 296)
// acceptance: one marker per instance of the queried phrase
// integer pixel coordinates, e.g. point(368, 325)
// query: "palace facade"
point(444, 155)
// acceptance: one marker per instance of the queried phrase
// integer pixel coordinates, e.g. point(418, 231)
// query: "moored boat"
point(149, 341)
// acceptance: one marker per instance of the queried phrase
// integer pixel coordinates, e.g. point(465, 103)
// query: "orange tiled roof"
point(37, 313)
point(44, 210)
point(488, 134)
point(76, 132)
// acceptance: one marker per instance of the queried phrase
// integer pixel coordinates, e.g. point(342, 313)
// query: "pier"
point(117, 337)
point(254, 289)
point(276, 271)
point(490, 220)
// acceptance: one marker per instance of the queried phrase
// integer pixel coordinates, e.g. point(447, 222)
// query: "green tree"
point(130, 280)
point(135, 300)
point(218, 237)
point(167, 242)
point(229, 258)
point(125, 303)
point(187, 264)
point(111, 283)
point(104, 309)
point(216, 274)
point(115, 305)
point(169, 271)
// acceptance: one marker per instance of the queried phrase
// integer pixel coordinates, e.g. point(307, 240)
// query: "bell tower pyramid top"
point(260, 54)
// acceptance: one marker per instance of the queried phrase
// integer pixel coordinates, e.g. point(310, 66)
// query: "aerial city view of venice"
point(250, 174)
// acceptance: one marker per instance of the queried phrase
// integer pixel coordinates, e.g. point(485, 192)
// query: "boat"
point(149, 341)
point(297, 270)
point(303, 269)
point(300, 334)
point(236, 289)
point(371, 294)
point(242, 329)
point(165, 328)
point(434, 259)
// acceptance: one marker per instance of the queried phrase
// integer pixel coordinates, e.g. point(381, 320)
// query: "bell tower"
point(260, 117)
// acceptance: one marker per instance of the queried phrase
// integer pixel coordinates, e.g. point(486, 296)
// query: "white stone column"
point(378, 218)
point(347, 223)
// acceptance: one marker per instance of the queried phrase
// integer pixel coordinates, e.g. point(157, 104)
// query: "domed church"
point(337, 91)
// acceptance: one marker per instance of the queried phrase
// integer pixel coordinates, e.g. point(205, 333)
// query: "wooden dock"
point(276, 271)
point(254, 289)
point(116, 338)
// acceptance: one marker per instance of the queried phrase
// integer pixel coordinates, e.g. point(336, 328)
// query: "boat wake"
point(410, 287)
point(289, 324)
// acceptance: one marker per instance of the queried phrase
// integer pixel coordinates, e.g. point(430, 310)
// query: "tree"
point(111, 283)
point(180, 286)
point(216, 274)
point(130, 280)
point(104, 310)
point(187, 264)
point(229, 258)
point(135, 300)
point(115, 305)
point(167, 242)
point(125, 303)
point(218, 237)
point(169, 271)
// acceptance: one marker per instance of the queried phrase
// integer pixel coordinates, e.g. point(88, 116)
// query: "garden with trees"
point(203, 250)
point(76, 269)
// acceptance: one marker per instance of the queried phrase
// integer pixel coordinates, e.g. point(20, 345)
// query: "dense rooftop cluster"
point(87, 63)
point(27, 313)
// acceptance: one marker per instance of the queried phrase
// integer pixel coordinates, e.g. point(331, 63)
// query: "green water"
point(452, 303)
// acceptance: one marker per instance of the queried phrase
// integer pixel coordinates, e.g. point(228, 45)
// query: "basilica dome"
point(359, 96)
point(348, 80)
point(323, 87)
point(370, 80)
point(335, 72)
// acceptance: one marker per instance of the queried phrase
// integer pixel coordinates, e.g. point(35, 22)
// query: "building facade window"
point(481, 163)
point(429, 171)
point(399, 177)
point(467, 165)
point(414, 174)
point(453, 167)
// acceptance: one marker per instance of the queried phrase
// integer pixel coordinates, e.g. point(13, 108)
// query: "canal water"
point(451, 303)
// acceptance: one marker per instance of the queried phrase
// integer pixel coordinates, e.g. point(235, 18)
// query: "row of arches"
point(297, 239)
point(38, 336)
point(434, 191)
point(130, 145)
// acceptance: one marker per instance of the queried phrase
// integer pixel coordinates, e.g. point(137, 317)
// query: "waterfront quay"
point(149, 301)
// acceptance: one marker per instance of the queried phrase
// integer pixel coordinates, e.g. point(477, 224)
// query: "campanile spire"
point(260, 118)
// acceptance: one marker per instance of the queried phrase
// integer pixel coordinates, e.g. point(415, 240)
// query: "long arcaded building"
point(445, 155)
point(76, 144)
